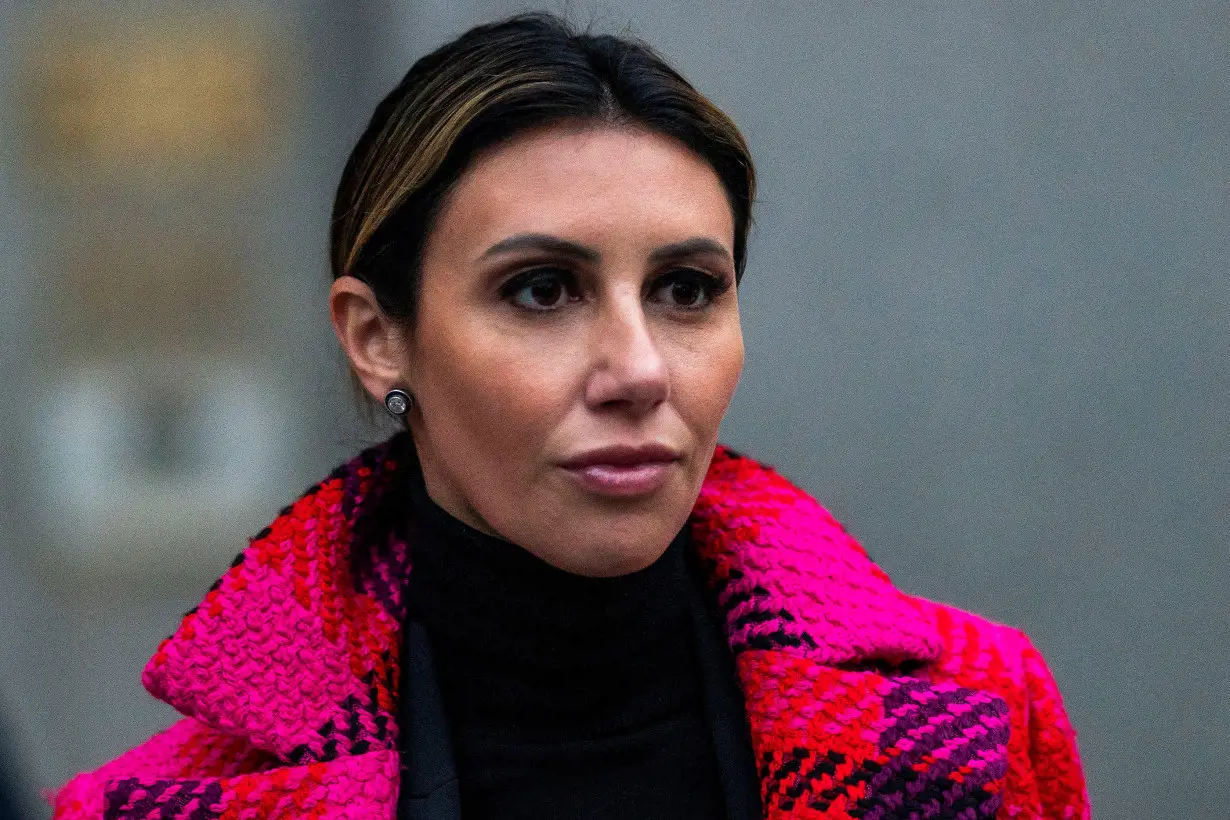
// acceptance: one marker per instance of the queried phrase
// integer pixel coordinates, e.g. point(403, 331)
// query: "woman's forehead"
point(583, 183)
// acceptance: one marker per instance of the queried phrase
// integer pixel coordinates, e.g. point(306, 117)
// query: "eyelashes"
point(694, 288)
point(549, 288)
point(541, 289)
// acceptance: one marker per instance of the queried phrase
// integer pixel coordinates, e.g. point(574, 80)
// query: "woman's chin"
point(627, 552)
point(611, 561)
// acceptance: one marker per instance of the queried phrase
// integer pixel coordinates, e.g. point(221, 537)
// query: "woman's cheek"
point(519, 389)
point(709, 378)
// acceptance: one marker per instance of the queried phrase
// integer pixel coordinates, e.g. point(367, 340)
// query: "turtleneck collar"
point(522, 644)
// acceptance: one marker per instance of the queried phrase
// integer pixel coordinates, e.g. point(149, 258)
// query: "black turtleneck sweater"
point(574, 697)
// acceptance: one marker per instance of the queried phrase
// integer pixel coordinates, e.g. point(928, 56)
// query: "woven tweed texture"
point(862, 702)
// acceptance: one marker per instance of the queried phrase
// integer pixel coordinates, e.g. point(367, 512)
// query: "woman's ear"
point(374, 344)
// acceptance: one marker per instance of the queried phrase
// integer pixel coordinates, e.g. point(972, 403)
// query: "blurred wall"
point(166, 176)
point(985, 320)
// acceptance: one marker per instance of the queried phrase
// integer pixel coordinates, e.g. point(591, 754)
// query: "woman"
point(554, 595)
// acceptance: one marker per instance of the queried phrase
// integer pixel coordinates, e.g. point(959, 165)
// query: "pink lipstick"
point(622, 471)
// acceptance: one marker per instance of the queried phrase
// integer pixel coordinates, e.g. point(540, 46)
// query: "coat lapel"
point(788, 576)
point(823, 644)
point(296, 646)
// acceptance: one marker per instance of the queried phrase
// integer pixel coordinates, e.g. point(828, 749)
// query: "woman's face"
point(577, 344)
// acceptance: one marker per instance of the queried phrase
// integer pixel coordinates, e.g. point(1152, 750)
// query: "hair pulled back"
point(484, 88)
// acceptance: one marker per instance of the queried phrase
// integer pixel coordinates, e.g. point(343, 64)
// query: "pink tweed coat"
point(862, 701)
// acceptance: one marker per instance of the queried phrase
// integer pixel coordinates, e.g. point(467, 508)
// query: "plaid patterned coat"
point(862, 701)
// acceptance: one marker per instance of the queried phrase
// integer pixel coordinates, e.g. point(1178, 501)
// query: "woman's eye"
point(541, 290)
point(688, 289)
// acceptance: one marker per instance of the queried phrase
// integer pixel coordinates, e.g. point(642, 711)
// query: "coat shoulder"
point(1045, 777)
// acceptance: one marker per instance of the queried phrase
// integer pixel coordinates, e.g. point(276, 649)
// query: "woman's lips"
point(622, 480)
point(623, 470)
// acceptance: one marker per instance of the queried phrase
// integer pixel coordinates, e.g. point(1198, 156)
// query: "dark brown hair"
point(482, 89)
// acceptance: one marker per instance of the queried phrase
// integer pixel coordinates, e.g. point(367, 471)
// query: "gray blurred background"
point(985, 315)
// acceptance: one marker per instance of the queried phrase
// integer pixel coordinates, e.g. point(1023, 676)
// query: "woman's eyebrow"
point(542, 242)
point(696, 246)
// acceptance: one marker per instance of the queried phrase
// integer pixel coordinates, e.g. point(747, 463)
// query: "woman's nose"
point(628, 370)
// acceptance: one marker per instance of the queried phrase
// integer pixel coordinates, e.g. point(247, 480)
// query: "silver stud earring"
point(398, 402)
